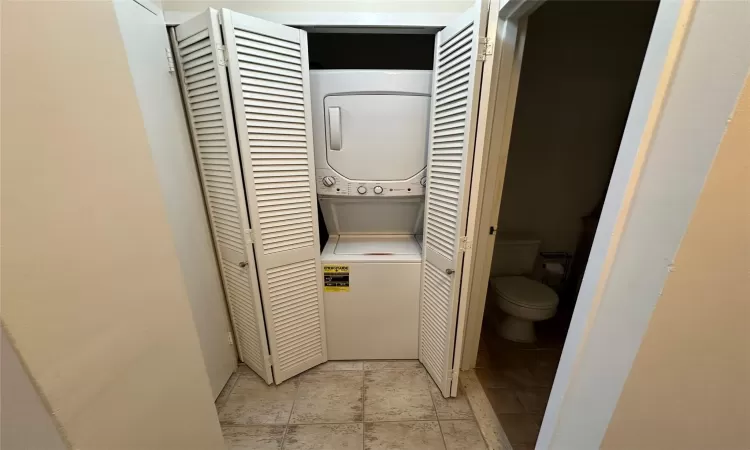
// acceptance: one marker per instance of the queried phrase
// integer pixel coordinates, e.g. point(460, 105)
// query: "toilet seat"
point(524, 292)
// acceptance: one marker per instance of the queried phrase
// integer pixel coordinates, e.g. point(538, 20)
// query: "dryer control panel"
point(330, 183)
point(370, 130)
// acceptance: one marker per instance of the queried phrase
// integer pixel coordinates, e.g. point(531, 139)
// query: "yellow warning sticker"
point(336, 277)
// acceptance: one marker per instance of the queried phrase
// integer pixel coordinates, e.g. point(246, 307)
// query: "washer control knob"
point(362, 190)
point(377, 189)
point(329, 181)
point(423, 181)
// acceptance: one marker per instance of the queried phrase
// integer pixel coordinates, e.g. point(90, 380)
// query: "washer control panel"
point(330, 183)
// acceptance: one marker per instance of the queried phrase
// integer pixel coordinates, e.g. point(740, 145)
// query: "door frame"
point(145, 38)
point(424, 21)
point(488, 173)
point(501, 68)
point(610, 318)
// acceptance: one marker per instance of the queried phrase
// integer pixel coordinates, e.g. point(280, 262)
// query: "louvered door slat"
point(270, 88)
point(206, 90)
point(451, 146)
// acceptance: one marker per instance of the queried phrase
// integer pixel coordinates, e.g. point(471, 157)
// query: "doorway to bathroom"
point(580, 66)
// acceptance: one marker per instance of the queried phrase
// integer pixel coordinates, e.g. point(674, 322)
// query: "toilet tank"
point(514, 256)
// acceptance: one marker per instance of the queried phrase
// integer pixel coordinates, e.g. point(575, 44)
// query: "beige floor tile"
point(483, 355)
point(222, 398)
point(248, 381)
point(329, 397)
point(490, 378)
point(543, 366)
point(393, 365)
point(403, 435)
point(524, 365)
point(248, 409)
point(256, 437)
point(337, 365)
point(252, 402)
point(392, 395)
point(507, 378)
point(508, 355)
point(450, 408)
point(462, 435)
point(520, 428)
point(242, 368)
point(485, 416)
point(521, 378)
point(324, 437)
point(534, 400)
point(504, 401)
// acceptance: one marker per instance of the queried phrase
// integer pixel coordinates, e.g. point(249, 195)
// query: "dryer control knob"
point(377, 190)
point(362, 190)
point(423, 181)
point(329, 181)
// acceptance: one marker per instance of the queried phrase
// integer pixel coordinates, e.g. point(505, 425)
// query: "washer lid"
point(525, 292)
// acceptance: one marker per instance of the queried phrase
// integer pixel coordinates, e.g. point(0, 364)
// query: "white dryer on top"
point(370, 131)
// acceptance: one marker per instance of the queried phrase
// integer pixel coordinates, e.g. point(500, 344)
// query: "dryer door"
point(376, 137)
point(453, 124)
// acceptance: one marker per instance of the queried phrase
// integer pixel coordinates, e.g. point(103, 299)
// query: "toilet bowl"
point(525, 301)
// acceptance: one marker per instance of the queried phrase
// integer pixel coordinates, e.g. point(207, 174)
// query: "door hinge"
point(230, 338)
point(451, 377)
point(221, 54)
point(486, 48)
point(464, 244)
point(170, 60)
point(267, 358)
point(249, 236)
point(454, 377)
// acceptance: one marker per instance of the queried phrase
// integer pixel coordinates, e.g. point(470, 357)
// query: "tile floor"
point(517, 378)
point(348, 405)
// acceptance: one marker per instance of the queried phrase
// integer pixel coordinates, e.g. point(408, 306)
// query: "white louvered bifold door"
point(268, 71)
point(201, 61)
point(455, 95)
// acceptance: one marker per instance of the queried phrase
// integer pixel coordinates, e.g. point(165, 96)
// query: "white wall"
point(579, 73)
point(92, 292)
point(26, 422)
point(323, 12)
point(145, 37)
point(688, 387)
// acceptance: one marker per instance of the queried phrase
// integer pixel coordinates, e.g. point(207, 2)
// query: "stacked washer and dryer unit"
point(370, 132)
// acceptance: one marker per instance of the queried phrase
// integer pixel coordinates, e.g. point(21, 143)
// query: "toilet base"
point(517, 330)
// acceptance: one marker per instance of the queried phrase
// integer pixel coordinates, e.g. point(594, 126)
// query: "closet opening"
point(370, 105)
point(580, 67)
point(368, 49)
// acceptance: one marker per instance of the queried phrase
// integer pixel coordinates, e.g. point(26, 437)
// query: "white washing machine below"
point(371, 285)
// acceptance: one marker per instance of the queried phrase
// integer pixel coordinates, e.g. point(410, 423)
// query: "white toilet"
point(524, 300)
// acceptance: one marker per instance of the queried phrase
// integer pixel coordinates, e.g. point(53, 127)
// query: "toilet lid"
point(524, 292)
